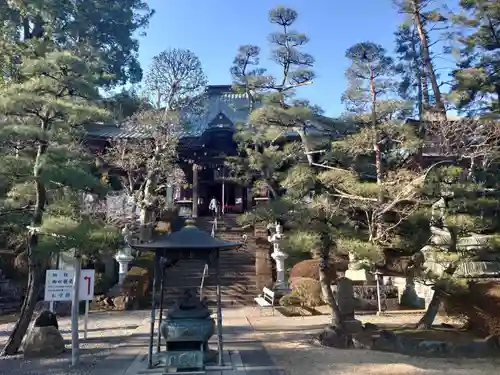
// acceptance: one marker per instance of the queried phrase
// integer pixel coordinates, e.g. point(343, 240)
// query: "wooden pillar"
point(195, 190)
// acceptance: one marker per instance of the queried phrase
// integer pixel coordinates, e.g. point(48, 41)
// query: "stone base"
point(353, 326)
point(359, 275)
point(183, 359)
point(281, 288)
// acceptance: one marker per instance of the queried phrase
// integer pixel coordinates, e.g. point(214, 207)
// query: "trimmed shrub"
point(145, 260)
point(308, 291)
point(310, 269)
point(290, 300)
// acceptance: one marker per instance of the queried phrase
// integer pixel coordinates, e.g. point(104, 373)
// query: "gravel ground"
point(106, 330)
point(294, 351)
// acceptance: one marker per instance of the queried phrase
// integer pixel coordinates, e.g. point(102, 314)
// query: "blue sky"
point(214, 29)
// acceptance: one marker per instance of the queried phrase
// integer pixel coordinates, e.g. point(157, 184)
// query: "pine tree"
point(83, 27)
point(464, 203)
point(275, 115)
point(262, 154)
point(424, 17)
point(461, 208)
point(42, 112)
point(414, 84)
point(477, 78)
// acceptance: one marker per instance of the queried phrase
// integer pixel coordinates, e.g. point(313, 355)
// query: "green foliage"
point(371, 84)
point(102, 284)
point(476, 78)
point(125, 104)
point(90, 29)
point(290, 300)
point(45, 165)
point(303, 241)
point(300, 179)
point(363, 249)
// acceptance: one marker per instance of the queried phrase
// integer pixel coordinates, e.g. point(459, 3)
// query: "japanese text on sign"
point(59, 285)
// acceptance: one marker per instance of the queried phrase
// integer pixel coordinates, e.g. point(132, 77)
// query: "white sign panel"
point(59, 285)
point(87, 281)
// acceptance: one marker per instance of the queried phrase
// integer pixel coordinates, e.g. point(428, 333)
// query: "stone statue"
point(440, 234)
point(277, 237)
point(438, 213)
point(354, 262)
point(127, 237)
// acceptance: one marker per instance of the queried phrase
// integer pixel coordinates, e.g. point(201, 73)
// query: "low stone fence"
point(366, 297)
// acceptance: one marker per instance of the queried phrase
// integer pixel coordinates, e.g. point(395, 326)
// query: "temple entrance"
point(233, 196)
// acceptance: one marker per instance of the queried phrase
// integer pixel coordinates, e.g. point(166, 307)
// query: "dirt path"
point(291, 348)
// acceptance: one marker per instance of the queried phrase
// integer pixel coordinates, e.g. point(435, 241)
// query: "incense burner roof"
point(188, 238)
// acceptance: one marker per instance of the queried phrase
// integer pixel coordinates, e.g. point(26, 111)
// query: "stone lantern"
point(279, 256)
point(124, 256)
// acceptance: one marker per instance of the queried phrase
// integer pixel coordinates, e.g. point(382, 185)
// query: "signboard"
point(59, 285)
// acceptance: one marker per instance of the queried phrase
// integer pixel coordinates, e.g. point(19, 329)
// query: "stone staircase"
point(237, 269)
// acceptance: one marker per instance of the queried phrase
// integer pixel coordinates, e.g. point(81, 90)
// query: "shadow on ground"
point(296, 352)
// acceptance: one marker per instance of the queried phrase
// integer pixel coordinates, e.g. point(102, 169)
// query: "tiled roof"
point(220, 99)
point(107, 131)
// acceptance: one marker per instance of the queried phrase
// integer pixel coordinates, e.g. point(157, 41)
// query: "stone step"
point(224, 272)
point(226, 301)
point(237, 269)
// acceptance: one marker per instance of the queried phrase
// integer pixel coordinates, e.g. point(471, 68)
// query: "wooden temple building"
point(202, 152)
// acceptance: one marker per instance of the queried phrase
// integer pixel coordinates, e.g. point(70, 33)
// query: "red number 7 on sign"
point(87, 279)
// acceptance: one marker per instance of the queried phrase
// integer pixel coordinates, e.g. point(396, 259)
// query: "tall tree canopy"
point(477, 77)
point(104, 28)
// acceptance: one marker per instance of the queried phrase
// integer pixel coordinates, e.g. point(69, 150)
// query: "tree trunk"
point(35, 280)
point(36, 276)
point(378, 155)
point(306, 144)
point(422, 89)
point(146, 219)
point(432, 310)
point(326, 290)
point(426, 102)
point(325, 282)
point(426, 59)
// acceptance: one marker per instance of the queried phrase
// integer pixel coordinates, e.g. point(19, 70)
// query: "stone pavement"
point(243, 354)
point(111, 335)
point(117, 344)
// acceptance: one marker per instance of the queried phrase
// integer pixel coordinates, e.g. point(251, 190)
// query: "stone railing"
point(366, 296)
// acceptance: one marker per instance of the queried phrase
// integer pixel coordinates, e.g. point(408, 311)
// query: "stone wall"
point(263, 265)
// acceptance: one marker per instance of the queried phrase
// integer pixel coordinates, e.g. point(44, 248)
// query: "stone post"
point(123, 257)
point(280, 257)
point(263, 270)
point(347, 304)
